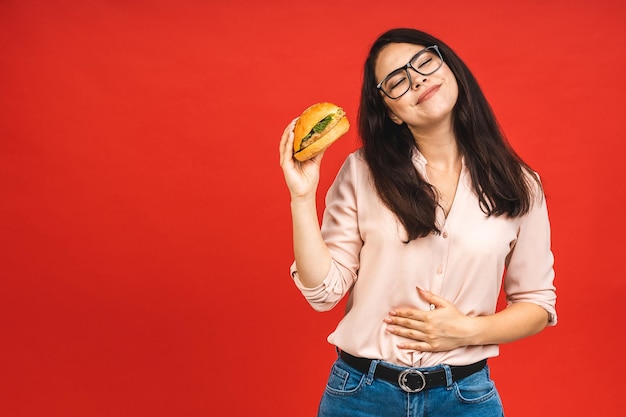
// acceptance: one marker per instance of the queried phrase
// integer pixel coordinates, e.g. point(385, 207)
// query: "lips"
point(428, 94)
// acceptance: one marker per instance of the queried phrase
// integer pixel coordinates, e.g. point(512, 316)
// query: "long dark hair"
point(499, 176)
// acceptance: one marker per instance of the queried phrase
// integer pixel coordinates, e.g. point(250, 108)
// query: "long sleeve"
point(530, 268)
point(340, 231)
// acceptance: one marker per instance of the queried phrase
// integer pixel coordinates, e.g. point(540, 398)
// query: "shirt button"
point(439, 270)
point(445, 235)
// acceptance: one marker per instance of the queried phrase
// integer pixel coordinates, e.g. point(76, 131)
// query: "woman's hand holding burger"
point(301, 177)
point(303, 144)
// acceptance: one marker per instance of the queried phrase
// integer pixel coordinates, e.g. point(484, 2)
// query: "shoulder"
point(358, 156)
point(355, 162)
point(354, 170)
point(534, 184)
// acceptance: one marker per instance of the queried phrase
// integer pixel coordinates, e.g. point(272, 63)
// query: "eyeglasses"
point(398, 82)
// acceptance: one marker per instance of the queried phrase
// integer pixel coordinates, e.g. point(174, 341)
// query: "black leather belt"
point(411, 379)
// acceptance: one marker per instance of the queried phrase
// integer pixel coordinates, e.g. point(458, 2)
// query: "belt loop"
point(369, 378)
point(448, 372)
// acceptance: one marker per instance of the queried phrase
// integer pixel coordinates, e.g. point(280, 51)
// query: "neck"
point(439, 148)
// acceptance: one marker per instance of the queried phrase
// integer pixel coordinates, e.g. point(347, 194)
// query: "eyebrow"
point(403, 67)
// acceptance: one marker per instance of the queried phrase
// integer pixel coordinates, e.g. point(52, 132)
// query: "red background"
point(144, 220)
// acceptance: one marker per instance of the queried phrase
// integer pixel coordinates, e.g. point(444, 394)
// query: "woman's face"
point(430, 98)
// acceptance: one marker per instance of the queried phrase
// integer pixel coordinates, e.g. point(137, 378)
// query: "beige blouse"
point(465, 264)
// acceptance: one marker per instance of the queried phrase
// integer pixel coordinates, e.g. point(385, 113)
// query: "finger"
point(287, 133)
point(418, 346)
point(286, 142)
point(399, 323)
point(434, 300)
point(417, 340)
point(409, 313)
point(409, 333)
point(318, 157)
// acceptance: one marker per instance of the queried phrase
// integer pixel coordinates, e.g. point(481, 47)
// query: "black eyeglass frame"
point(406, 67)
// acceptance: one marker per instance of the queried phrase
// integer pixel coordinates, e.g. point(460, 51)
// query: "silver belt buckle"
point(403, 377)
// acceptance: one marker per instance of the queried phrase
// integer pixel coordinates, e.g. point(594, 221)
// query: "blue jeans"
point(350, 393)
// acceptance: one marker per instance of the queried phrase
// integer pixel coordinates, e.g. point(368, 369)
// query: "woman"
point(421, 226)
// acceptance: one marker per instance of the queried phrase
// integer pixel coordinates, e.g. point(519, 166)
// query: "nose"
point(418, 81)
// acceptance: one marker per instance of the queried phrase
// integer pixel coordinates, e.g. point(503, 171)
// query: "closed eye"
point(425, 62)
point(398, 82)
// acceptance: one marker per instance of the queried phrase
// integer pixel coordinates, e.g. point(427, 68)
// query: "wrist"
point(303, 200)
point(473, 331)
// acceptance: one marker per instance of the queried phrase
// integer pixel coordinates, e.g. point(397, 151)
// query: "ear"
point(394, 118)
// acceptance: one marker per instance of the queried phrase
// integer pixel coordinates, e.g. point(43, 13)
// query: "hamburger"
point(317, 128)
